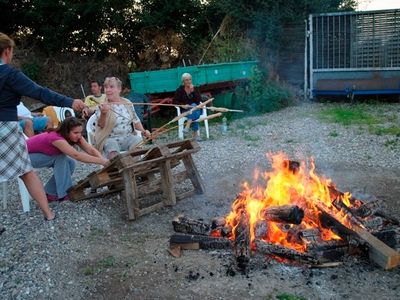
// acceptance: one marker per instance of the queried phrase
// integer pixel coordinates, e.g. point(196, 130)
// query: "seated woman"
point(117, 122)
point(56, 149)
point(187, 94)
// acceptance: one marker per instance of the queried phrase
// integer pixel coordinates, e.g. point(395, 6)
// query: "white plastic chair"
point(25, 197)
point(91, 127)
point(181, 122)
point(63, 112)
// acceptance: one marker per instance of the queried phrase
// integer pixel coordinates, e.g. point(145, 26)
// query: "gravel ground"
point(92, 252)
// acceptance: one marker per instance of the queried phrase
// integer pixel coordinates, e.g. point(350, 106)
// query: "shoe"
point(65, 198)
point(198, 139)
point(185, 130)
point(52, 198)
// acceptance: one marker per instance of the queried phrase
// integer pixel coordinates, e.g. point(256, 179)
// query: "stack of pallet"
point(141, 173)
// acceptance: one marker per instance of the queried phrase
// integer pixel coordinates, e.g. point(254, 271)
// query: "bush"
point(32, 69)
point(262, 95)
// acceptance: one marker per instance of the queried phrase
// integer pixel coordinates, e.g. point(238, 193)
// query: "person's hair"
point(96, 81)
point(185, 76)
point(108, 81)
point(5, 42)
point(66, 127)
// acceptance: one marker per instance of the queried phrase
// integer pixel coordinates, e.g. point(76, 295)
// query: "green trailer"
point(168, 80)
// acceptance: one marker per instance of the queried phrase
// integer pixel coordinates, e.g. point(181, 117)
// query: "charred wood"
point(378, 251)
point(284, 252)
point(220, 228)
point(218, 222)
point(204, 242)
point(367, 209)
point(390, 236)
point(373, 223)
point(185, 225)
point(283, 214)
point(260, 229)
point(241, 244)
point(338, 203)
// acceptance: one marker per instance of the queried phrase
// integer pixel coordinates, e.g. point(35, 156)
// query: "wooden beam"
point(378, 251)
point(193, 174)
point(131, 193)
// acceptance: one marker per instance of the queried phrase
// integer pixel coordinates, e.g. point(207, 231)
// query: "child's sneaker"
point(51, 198)
point(65, 198)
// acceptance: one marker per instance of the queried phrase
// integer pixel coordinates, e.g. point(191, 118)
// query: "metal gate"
point(353, 53)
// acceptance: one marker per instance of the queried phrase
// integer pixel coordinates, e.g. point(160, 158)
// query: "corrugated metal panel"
point(356, 40)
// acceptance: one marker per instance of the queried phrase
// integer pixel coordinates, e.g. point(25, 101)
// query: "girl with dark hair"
point(56, 149)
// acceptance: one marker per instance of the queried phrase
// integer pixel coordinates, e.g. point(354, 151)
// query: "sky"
point(378, 4)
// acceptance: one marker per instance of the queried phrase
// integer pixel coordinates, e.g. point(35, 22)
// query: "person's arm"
point(139, 126)
point(104, 110)
point(178, 97)
point(196, 96)
point(67, 149)
point(24, 86)
point(89, 149)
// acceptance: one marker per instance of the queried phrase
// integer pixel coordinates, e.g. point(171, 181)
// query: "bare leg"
point(36, 189)
point(187, 125)
point(28, 129)
point(196, 134)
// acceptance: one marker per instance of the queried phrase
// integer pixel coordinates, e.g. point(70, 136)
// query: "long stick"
point(83, 91)
point(158, 132)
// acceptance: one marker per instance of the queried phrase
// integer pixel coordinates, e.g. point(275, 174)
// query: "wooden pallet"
point(137, 174)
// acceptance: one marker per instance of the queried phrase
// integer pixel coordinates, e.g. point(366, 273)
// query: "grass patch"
point(392, 130)
point(251, 138)
point(107, 262)
point(392, 144)
point(89, 270)
point(333, 133)
point(349, 116)
point(286, 296)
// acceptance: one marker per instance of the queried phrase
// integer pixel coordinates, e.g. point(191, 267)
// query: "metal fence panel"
point(356, 40)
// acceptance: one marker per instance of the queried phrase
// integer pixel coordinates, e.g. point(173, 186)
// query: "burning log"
point(284, 252)
point(343, 207)
point(219, 227)
point(283, 214)
point(199, 242)
point(185, 225)
point(241, 245)
point(368, 208)
point(379, 252)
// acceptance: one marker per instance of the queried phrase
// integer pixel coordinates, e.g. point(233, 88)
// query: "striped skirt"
point(14, 158)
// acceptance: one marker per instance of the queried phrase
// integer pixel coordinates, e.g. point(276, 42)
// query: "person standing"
point(14, 158)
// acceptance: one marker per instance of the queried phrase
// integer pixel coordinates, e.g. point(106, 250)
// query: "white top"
point(23, 111)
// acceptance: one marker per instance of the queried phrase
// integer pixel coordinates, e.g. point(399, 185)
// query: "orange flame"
point(286, 184)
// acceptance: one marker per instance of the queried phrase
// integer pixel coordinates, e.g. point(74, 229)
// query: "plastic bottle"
point(224, 125)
